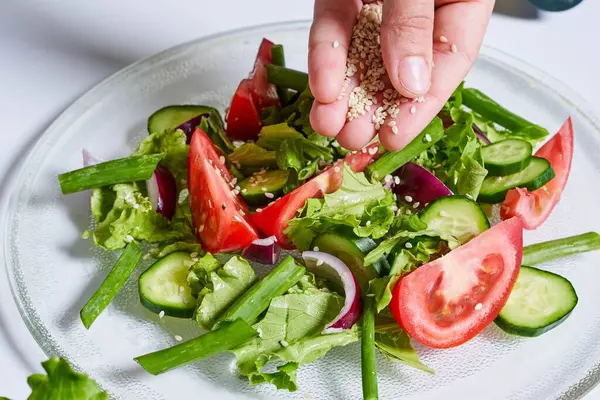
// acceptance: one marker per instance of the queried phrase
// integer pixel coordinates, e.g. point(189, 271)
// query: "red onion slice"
point(89, 158)
point(414, 185)
point(162, 192)
point(264, 251)
point(188, 127)
point(480, 135)
point(333, 269)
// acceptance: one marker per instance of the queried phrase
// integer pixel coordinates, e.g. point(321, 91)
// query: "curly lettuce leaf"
point(123, 214)
point(173, 144)
point(410, 250)
point(290, 333)
point(62, 383)
point(217, 287)
point(165, 249)
point(212, 125)
point(364, 206)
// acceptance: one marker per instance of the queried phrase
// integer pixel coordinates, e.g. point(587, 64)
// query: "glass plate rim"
point(11, 191)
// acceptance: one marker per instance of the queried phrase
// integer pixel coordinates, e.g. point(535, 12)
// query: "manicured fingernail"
point(414, 74)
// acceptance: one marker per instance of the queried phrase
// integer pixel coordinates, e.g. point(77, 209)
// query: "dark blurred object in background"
point(555, 5)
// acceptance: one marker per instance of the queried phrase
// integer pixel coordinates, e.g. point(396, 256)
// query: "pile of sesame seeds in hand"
point(365, 69)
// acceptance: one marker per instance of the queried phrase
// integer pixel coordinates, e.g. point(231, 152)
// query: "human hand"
point(427, 48)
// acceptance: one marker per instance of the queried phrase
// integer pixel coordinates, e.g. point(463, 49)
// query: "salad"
point(378, 247)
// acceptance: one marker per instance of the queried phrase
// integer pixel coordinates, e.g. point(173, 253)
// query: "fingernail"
point(414, 74)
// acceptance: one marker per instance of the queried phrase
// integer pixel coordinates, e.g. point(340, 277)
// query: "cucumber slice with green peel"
point(171, 117)
point(458, 216)
point(506, 156)
point(539, 301)
point(164, 287)
point(534, 176)
point(261, 189)
point(352, 251)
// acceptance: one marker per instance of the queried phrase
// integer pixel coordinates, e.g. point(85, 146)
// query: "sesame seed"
point(222, 159)
point(394, 208)
point(201, 228)
point(397, 180)
point(428, 137)
point(284, 343)
point(388, 178)
point(264, 189)
point(408, 245)
point(392, 123)
point(336, 44)
point(316, 248)
point(368, 223)
point(178, 338)
point(413, 109)
point(395, 130)
point(416, 205)
point(161, 314)
point(238, 143)
point(181, 289)
point(194, 254)
point(370, 294)
point(443, 213)
point(319, 262)
point(269, 195)
point(258, 209)
point(408, 212)
point(408, 198)
point(454, 48)
point(478, 306)
point(373, 151)
point(244, 190)
point(336, 169)
point(443, 39)
point(129, 238)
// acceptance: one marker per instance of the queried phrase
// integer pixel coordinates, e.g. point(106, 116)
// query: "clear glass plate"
point(53, 271)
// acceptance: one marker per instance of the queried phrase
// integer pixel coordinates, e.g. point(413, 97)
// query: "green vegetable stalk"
point(278, 58)
point(122, 170)
point(111, 285)
point(367, 350)
point(390, 162)
point(546, 251)
point(256, 300)
point(227, 337)
point(287, 78)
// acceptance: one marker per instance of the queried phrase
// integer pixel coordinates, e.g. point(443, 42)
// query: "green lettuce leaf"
point(62, 383)
point(250, 158)
point(411, 250)
point(173, 144)
point(290, 332)
point(123, 214)
point(217, 287)
point(364, 206)
point(165, 249)
point(456, 159)
point(394, 343)
point(212, 125)
point(495, 133)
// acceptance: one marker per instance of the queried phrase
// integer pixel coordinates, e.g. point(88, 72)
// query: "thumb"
point(406, 44)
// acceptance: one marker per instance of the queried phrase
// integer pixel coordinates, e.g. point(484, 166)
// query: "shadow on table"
point(521, 9)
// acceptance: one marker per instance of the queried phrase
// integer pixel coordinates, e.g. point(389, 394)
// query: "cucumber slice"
point(257, 189)
point(534, 176)
point(539, 301)
point(160, 286)
point(352, 251)
point(506, 156)
point(457, 216)
point(171, 117)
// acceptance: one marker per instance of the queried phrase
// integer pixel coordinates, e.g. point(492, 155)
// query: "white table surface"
point(53, 51)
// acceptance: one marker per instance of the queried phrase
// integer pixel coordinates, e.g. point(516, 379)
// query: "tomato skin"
point(273, 219)
point(252, 95)
point(217, 214)
point(535, 207)
point(482, 271)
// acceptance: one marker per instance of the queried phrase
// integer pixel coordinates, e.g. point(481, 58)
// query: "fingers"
point(462, 25)
point(406, 37)
point(328, 46)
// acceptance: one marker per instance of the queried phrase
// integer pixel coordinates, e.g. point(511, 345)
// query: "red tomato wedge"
point(448, 301)
point(273, 219)
point(218, 215)
point(252, 95)
point(535, 207)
